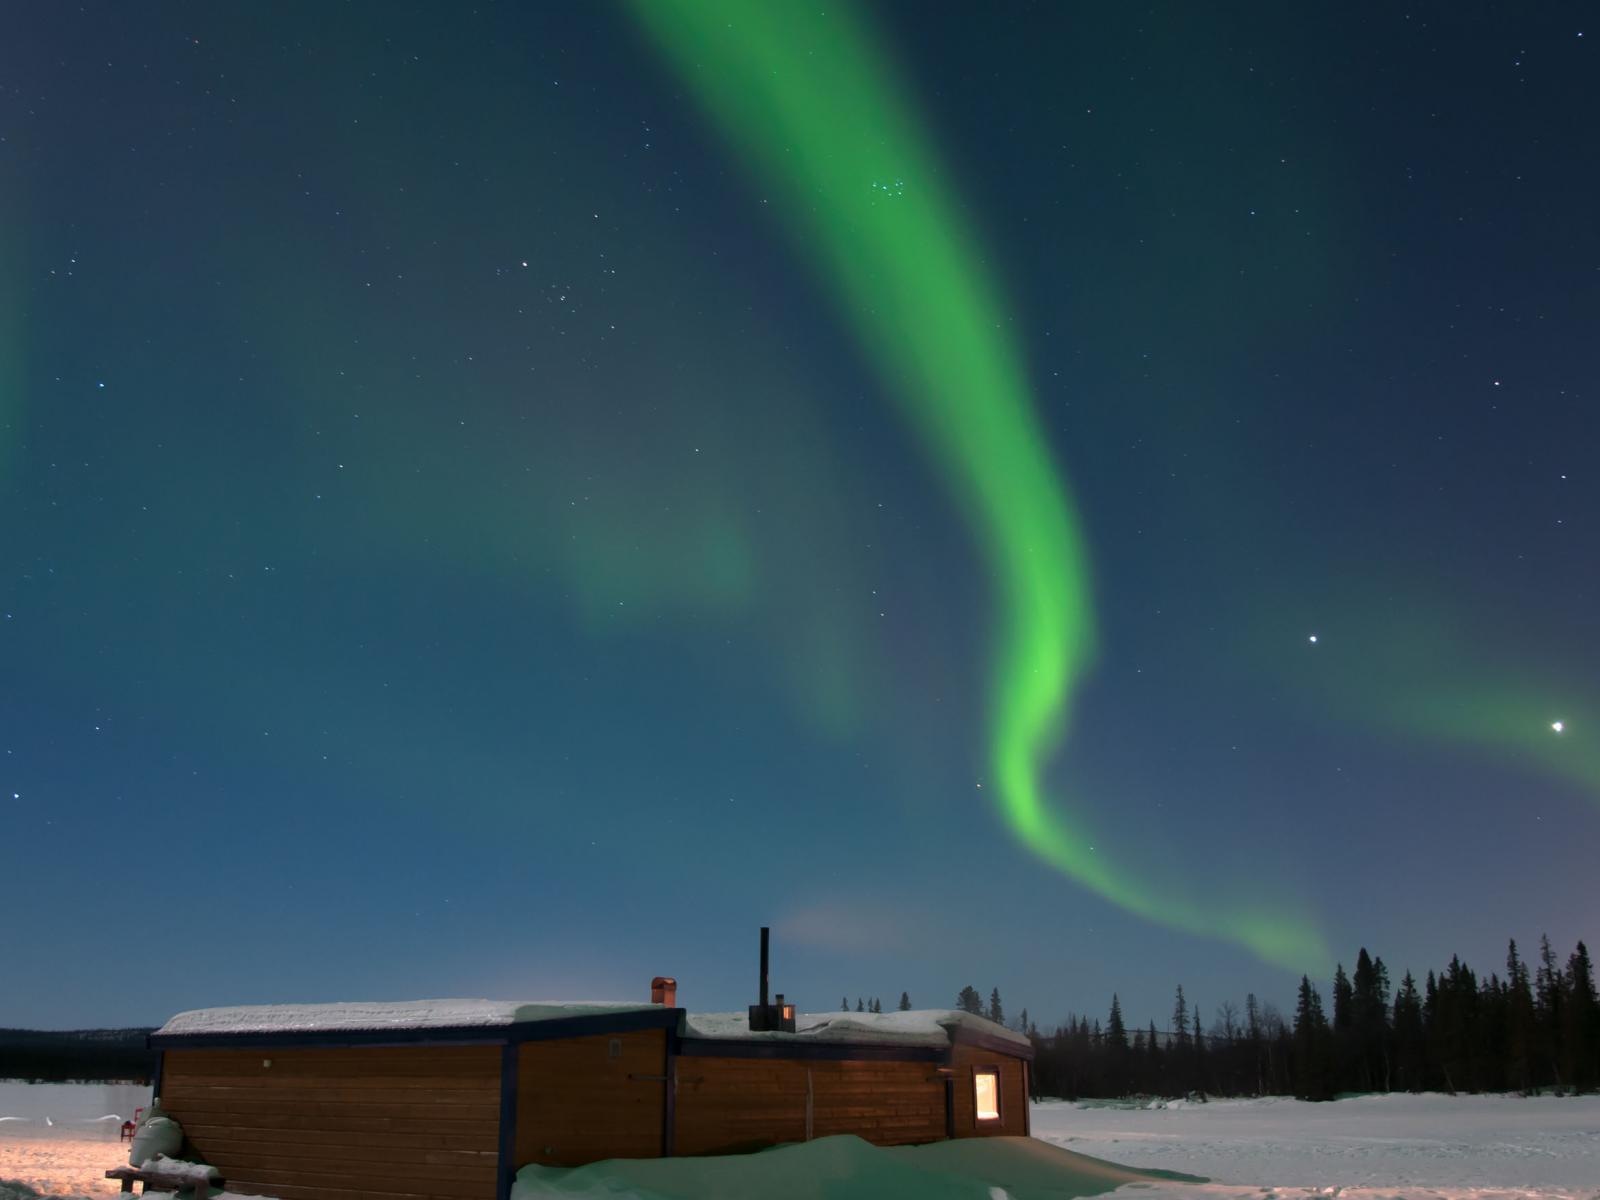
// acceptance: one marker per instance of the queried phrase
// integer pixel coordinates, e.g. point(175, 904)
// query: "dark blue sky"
point(454, 546)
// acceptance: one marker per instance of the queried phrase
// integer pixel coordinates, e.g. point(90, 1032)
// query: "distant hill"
point(62, 1055)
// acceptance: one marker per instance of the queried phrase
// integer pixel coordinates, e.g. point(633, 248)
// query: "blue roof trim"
point(813, 1051)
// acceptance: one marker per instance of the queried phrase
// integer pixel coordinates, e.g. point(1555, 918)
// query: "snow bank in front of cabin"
point(848, 1168)
point(920, 1027)
point(381, 1015)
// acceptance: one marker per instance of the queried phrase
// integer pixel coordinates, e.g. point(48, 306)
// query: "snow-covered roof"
point(381, 1015)
point(928, 1027)
point(921, 1027)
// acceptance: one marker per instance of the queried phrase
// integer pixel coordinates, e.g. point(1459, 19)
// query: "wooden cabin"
point(448, 1099)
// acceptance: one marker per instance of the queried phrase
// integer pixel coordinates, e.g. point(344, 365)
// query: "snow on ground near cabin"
point(60, 1166)
point(1369, 1148)
point(1422, 1145)
point(81, 1110)
point(847, 1168)
point(385, 1014)
point(60, 1138)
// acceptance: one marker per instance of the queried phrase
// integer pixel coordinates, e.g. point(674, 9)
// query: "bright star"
point(1313, 639)
point(1558, 726)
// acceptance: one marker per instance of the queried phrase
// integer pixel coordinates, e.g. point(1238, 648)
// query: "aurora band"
point(814, 109)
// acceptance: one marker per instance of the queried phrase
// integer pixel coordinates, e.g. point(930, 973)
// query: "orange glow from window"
point(986, 1084)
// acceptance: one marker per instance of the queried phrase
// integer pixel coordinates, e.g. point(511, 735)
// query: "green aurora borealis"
point(541, 490)
point(869, 205)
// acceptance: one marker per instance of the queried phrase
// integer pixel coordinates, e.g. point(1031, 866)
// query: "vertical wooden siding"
point(373, 1123)
point(587, 1098)
point(727, 1105)
point(1013, 1093)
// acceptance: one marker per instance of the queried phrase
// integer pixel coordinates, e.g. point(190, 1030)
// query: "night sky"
point(505, 501)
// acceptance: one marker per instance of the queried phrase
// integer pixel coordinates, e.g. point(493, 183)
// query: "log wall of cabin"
point(370, 1123)
point(1013, 1120)
point(586, 1098)
point(728, 1105)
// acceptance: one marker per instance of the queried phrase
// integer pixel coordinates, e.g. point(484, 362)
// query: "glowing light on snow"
point(815, 108)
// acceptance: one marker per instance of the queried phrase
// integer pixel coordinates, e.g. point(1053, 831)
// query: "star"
point(1312, 639)
point(1558, 726)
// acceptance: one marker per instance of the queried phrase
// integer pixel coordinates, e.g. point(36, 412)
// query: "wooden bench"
point(166, 1181)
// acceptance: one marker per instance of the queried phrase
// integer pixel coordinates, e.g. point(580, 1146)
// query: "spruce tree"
point(1454, 1033)
point(1370, 1022)
point(905, 1002)
point(996, 1013)
point(1343, 1000)
point(1343, 1048)
point(1156, 1065)
point(1410, 1047)
point(1549, 1008)
point(877, 1005)
point(860, 1005)
point(1519, 1022)
point(1310, 1044)
point(1116, 1031)
point(970, 1001)
point(1180, 1051)
point(1253, 1034)
point(1582, 1020)
point(844, 1004)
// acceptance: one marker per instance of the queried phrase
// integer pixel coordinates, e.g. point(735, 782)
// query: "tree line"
point(82, 1055)
point(1538, 1027)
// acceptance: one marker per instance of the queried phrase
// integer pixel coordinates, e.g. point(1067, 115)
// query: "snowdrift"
point(848, 1168)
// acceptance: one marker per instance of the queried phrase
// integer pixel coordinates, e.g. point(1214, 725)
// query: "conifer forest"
point(1536, 1027)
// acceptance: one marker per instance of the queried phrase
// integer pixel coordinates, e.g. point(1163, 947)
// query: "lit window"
point(986, 1090)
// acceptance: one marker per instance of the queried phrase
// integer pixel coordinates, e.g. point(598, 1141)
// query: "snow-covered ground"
point(61, 1139)
point(84, 1110)
point(1409, 1142)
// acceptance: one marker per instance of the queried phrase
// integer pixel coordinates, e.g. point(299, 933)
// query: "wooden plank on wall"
point(887, 1103)
point(737, 1104)
point(368, 1062)
point(379, 1123)
point(588, 1098)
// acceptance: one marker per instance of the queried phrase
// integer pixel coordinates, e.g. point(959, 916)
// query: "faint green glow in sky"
point(1520, 725)
point(1417, 665)
point(1425, 672)
point(816, 110)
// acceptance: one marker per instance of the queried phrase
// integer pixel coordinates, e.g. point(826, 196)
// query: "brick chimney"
point(664, 991)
